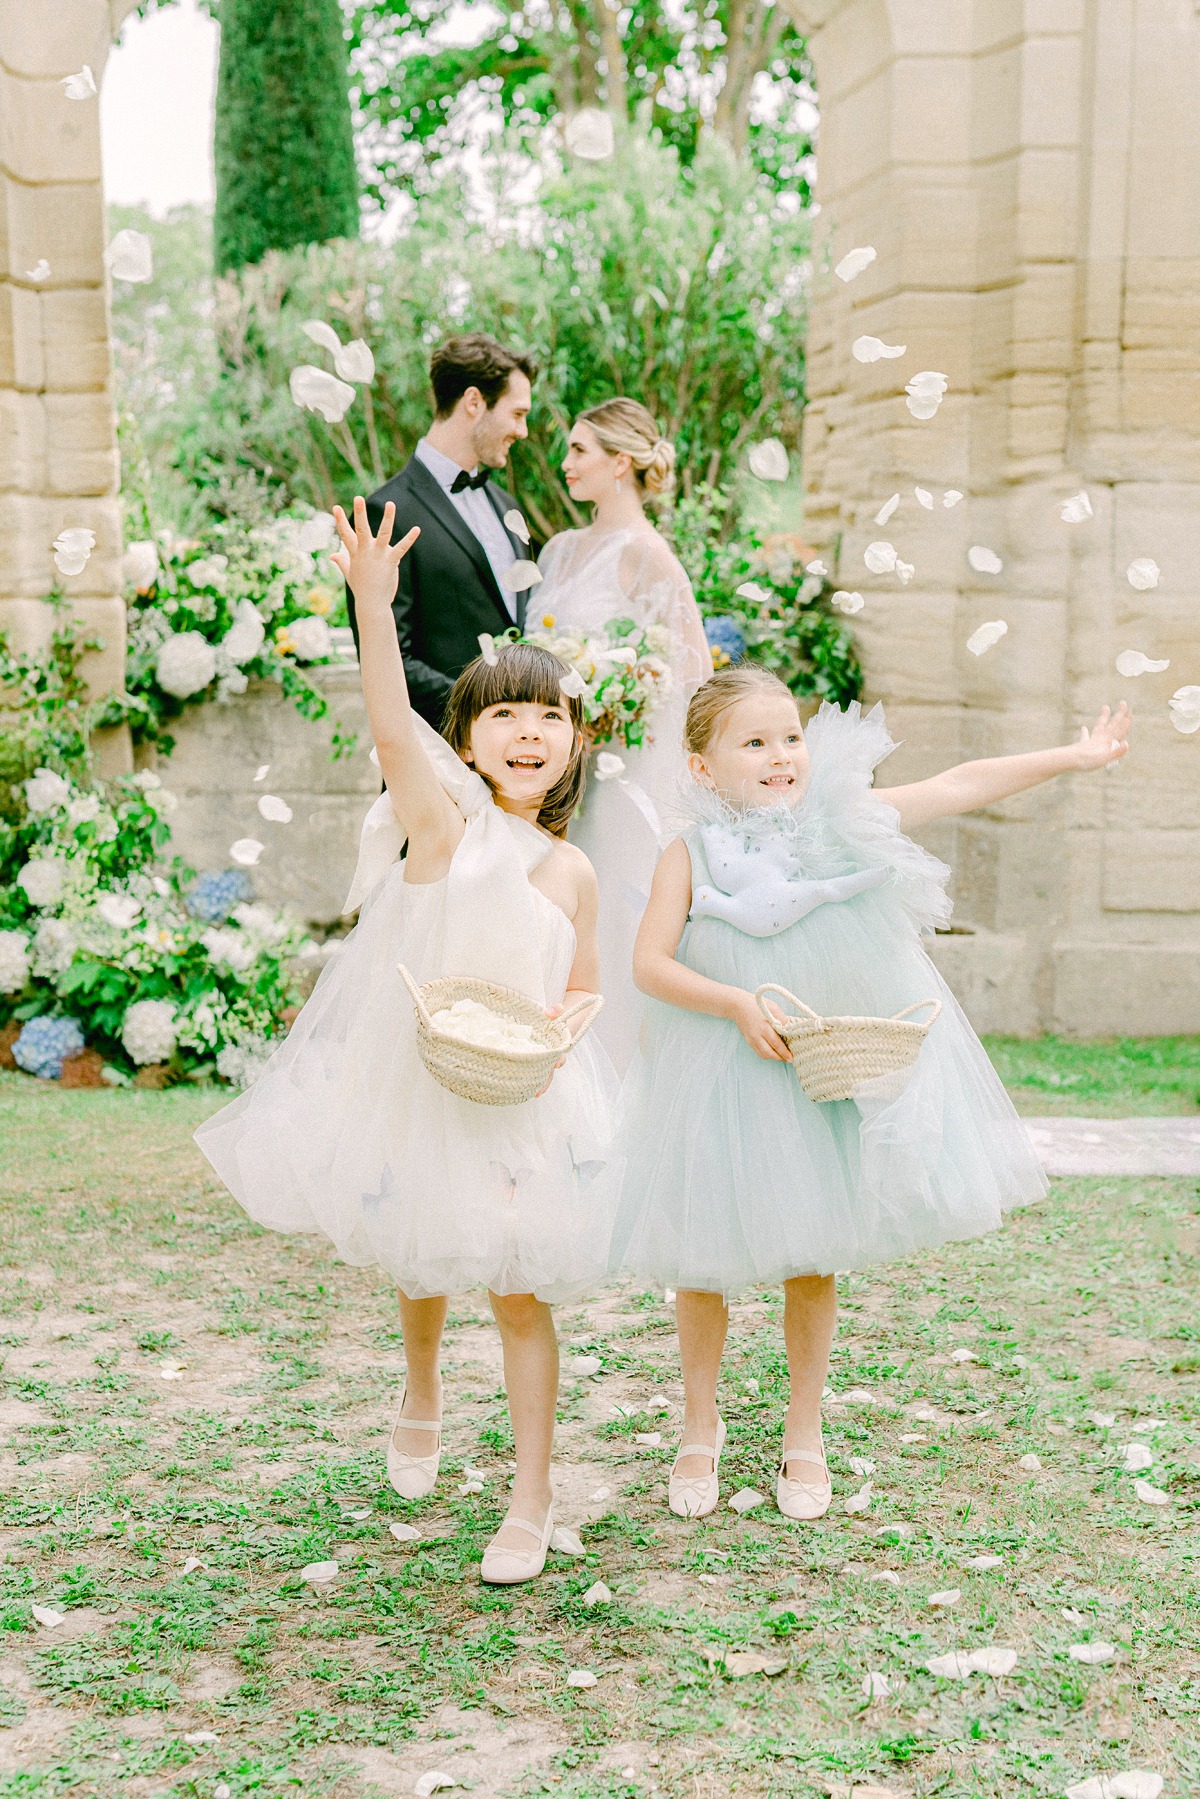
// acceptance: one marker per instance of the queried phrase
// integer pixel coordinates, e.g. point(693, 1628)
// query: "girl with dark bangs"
point(347, 1134)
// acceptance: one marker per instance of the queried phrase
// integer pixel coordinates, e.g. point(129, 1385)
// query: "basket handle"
point(919, 1006)
point(416, 995)
point(592, 1005)
point(798, 1005)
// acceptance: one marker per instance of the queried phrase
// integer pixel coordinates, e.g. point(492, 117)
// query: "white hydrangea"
point(310, 638)
point(230, 949)
point(186, 664)
point(148, 1032)
point(14, 961)
point(45, 791)
point(242, 1063)
point(42, 880)
point(270, 926)
point(245, 636)
point(120, 910)
point(83, 809)
point(53, 947)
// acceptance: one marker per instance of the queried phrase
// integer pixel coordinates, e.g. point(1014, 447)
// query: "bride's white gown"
point(590, 577)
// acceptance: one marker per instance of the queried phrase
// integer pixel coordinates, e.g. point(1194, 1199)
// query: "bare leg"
point(809, 1315)
point(421, 1322)
point(531, 1380)
point(702, 1320)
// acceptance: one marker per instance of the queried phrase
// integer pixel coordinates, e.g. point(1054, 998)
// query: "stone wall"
point(1029, 173)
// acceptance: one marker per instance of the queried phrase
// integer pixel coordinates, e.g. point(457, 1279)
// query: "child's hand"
point(551, 1012)
point(759, 1033)
point(369, 563)
point(1107, 741)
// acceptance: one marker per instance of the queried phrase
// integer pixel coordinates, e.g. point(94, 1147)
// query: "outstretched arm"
point(975, 784)
point(369, 563)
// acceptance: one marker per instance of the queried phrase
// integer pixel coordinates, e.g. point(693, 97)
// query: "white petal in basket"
point(768, 460)
point(1092, 1655)
point(608, 766)
point(1150, 1495)
point(880, 558)
point(1077, 510)
point(130, 257)
point(983, 560)
point(354, 362)
point(514, 522)
point(521, 576)
point(986, 636)
point(318, 1573)
point(854, 262)
point(1132, 663)
point(48, 1616)
point(597, 1594)
point(589, 134)
point(81, 86)
point(275, 810)
point(319, 391)
point(582, 1677)
point(745, 1500)
point(841, 601)
point(246, 851)
point(1143, 573)
point(873, 349)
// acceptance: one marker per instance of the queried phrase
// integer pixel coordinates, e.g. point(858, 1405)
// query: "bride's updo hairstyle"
point(625, 427)
point(712, 700)
point(522, 672)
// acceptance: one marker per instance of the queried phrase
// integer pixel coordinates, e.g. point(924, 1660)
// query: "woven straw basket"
point(492, 1077)
point(834, 1056)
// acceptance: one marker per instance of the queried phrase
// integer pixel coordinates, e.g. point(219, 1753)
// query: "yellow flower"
point(320, 600)
point(720, 658)
point(283, 643)
point(548, 621)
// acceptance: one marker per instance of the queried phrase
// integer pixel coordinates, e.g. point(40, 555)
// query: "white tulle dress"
point(733, 1176)
point(347, 1136)
point(591, 577)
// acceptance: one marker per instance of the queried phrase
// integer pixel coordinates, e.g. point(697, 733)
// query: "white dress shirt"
point(477, 513)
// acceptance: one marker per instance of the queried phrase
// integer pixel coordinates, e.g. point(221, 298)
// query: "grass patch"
point(1124, 1076)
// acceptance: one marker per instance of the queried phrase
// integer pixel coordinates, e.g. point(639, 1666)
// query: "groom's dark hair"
point(474, 360)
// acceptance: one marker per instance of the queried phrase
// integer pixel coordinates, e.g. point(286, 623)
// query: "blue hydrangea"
point(214, 896)
point(44, 1044)
point(726, 635)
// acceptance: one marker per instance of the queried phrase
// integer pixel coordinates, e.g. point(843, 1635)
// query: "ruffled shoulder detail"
point(845, 748)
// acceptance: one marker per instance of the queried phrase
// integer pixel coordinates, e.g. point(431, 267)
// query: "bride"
point(619, 567)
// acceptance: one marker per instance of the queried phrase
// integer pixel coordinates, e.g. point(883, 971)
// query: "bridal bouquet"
point(621, 675)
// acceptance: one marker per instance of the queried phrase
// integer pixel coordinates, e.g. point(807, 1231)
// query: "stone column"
point(1029, 174)
point(58, 452)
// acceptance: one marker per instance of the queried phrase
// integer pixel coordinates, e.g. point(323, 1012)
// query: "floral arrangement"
point(109, 949)
point(620, 676)
point(205, 615)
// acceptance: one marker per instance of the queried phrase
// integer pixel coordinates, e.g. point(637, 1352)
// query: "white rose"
point(245, 636)
point(310, 638)
point(140, 566)
point(84, 809)
point(45, 791)
point(148, 1032)
point(14, 961)
point(42, 880)
point(186, 664)
point(53, 947)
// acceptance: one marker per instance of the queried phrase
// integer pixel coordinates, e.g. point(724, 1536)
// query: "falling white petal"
point(924, 498)
point(39, 272)
point(816, 568)
point(246, 851)
point(886, 510)
point(318, 332)
point(354, 361)
point(1137, 1457)
point(986, 636)
point(320, 392)
point(404, 1533)
point(768, 460)
point(72, 548)
point(841, 601)
point(1150, 1495)
point(873, 349)
point(572, 686)
point(265, 770)
point(585, 1364)
point(130, 257)
point(315, 533)
point(597, 1594)
point(1143, 573)
point(582, 1677)
point(522, 575)
point(1076, 510)
point(745, 1500)
point(1092, 1654)
point(608, 766)
point(514, 522)
point(854, 262)
point(983, 560)
point(951, 497)
point(927, 381)
point(589, 134)
point(48, 1616)
point(880, 558)
point(81, 86)
point(1132, 663)
point(275, 810)
point(905, 571)
point(1030, 1464)
point(876, 1686)
point(751, 590)
point(941, 1601)
point(317, 1573)
point(1185, 710)
point(487, 649)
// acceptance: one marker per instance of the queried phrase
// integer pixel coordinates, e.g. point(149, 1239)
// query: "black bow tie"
point(463, 480)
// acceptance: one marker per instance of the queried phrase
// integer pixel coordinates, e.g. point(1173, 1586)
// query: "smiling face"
point(496, 429)
point(523, 748)
point(591, 472)
point(757, 755)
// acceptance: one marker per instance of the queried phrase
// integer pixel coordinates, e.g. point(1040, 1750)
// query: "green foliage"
point(283, 147)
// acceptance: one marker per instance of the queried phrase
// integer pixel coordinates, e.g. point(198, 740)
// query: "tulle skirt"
point(733, 1177)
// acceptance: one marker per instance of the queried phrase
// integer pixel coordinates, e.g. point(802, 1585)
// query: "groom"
point(450, 587)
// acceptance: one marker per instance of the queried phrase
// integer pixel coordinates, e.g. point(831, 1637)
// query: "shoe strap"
point(418, 1424)
point(535, 1530)
point(802, 1455)
point(708, 1449)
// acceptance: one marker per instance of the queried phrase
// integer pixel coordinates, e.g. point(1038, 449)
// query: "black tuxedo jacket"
point(446, 594)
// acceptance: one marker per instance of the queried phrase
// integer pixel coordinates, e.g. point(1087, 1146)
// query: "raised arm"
point(974, 784)
point(369, 563)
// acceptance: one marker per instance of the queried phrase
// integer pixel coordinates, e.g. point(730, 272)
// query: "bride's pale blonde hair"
point(624, 427)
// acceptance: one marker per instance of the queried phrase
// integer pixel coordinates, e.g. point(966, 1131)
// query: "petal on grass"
point(854, 262)
point(943, 1600)
point(862, 1466)
point(404, 1533)
point(318, 1573)
point(585, 1364)
point(582, 1677)
point(649, 1439)
point(738, 1663)
point(993, 1660)
point(597, 1594)
point(982, 1562)
point(955, 1666)
point(1150, 1495)
point(1137, 1457)
point(1092, 1654)
point(1030, 1464)
point(875, 1685)
point(198, 1737)
point(860, 1502)
point(963, 1355)
point(48, 1616)
point(566, 1541)
point(745, 1500)
point(432, 1782)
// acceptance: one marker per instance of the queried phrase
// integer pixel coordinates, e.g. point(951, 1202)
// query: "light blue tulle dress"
point(733, 1177)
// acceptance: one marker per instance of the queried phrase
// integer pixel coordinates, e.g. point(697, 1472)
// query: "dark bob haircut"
point(521, 672)
point(474, 360)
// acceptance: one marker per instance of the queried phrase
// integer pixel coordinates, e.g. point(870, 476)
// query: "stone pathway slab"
point(1117, 1145)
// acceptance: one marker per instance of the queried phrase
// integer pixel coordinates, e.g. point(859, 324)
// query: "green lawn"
point(122, 1256)
point(1155, 1075)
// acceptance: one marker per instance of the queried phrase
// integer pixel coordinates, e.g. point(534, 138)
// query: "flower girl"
point(795, 872)
point(347, 1134)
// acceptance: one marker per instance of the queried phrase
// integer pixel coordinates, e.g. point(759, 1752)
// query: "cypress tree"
point(284, 149)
